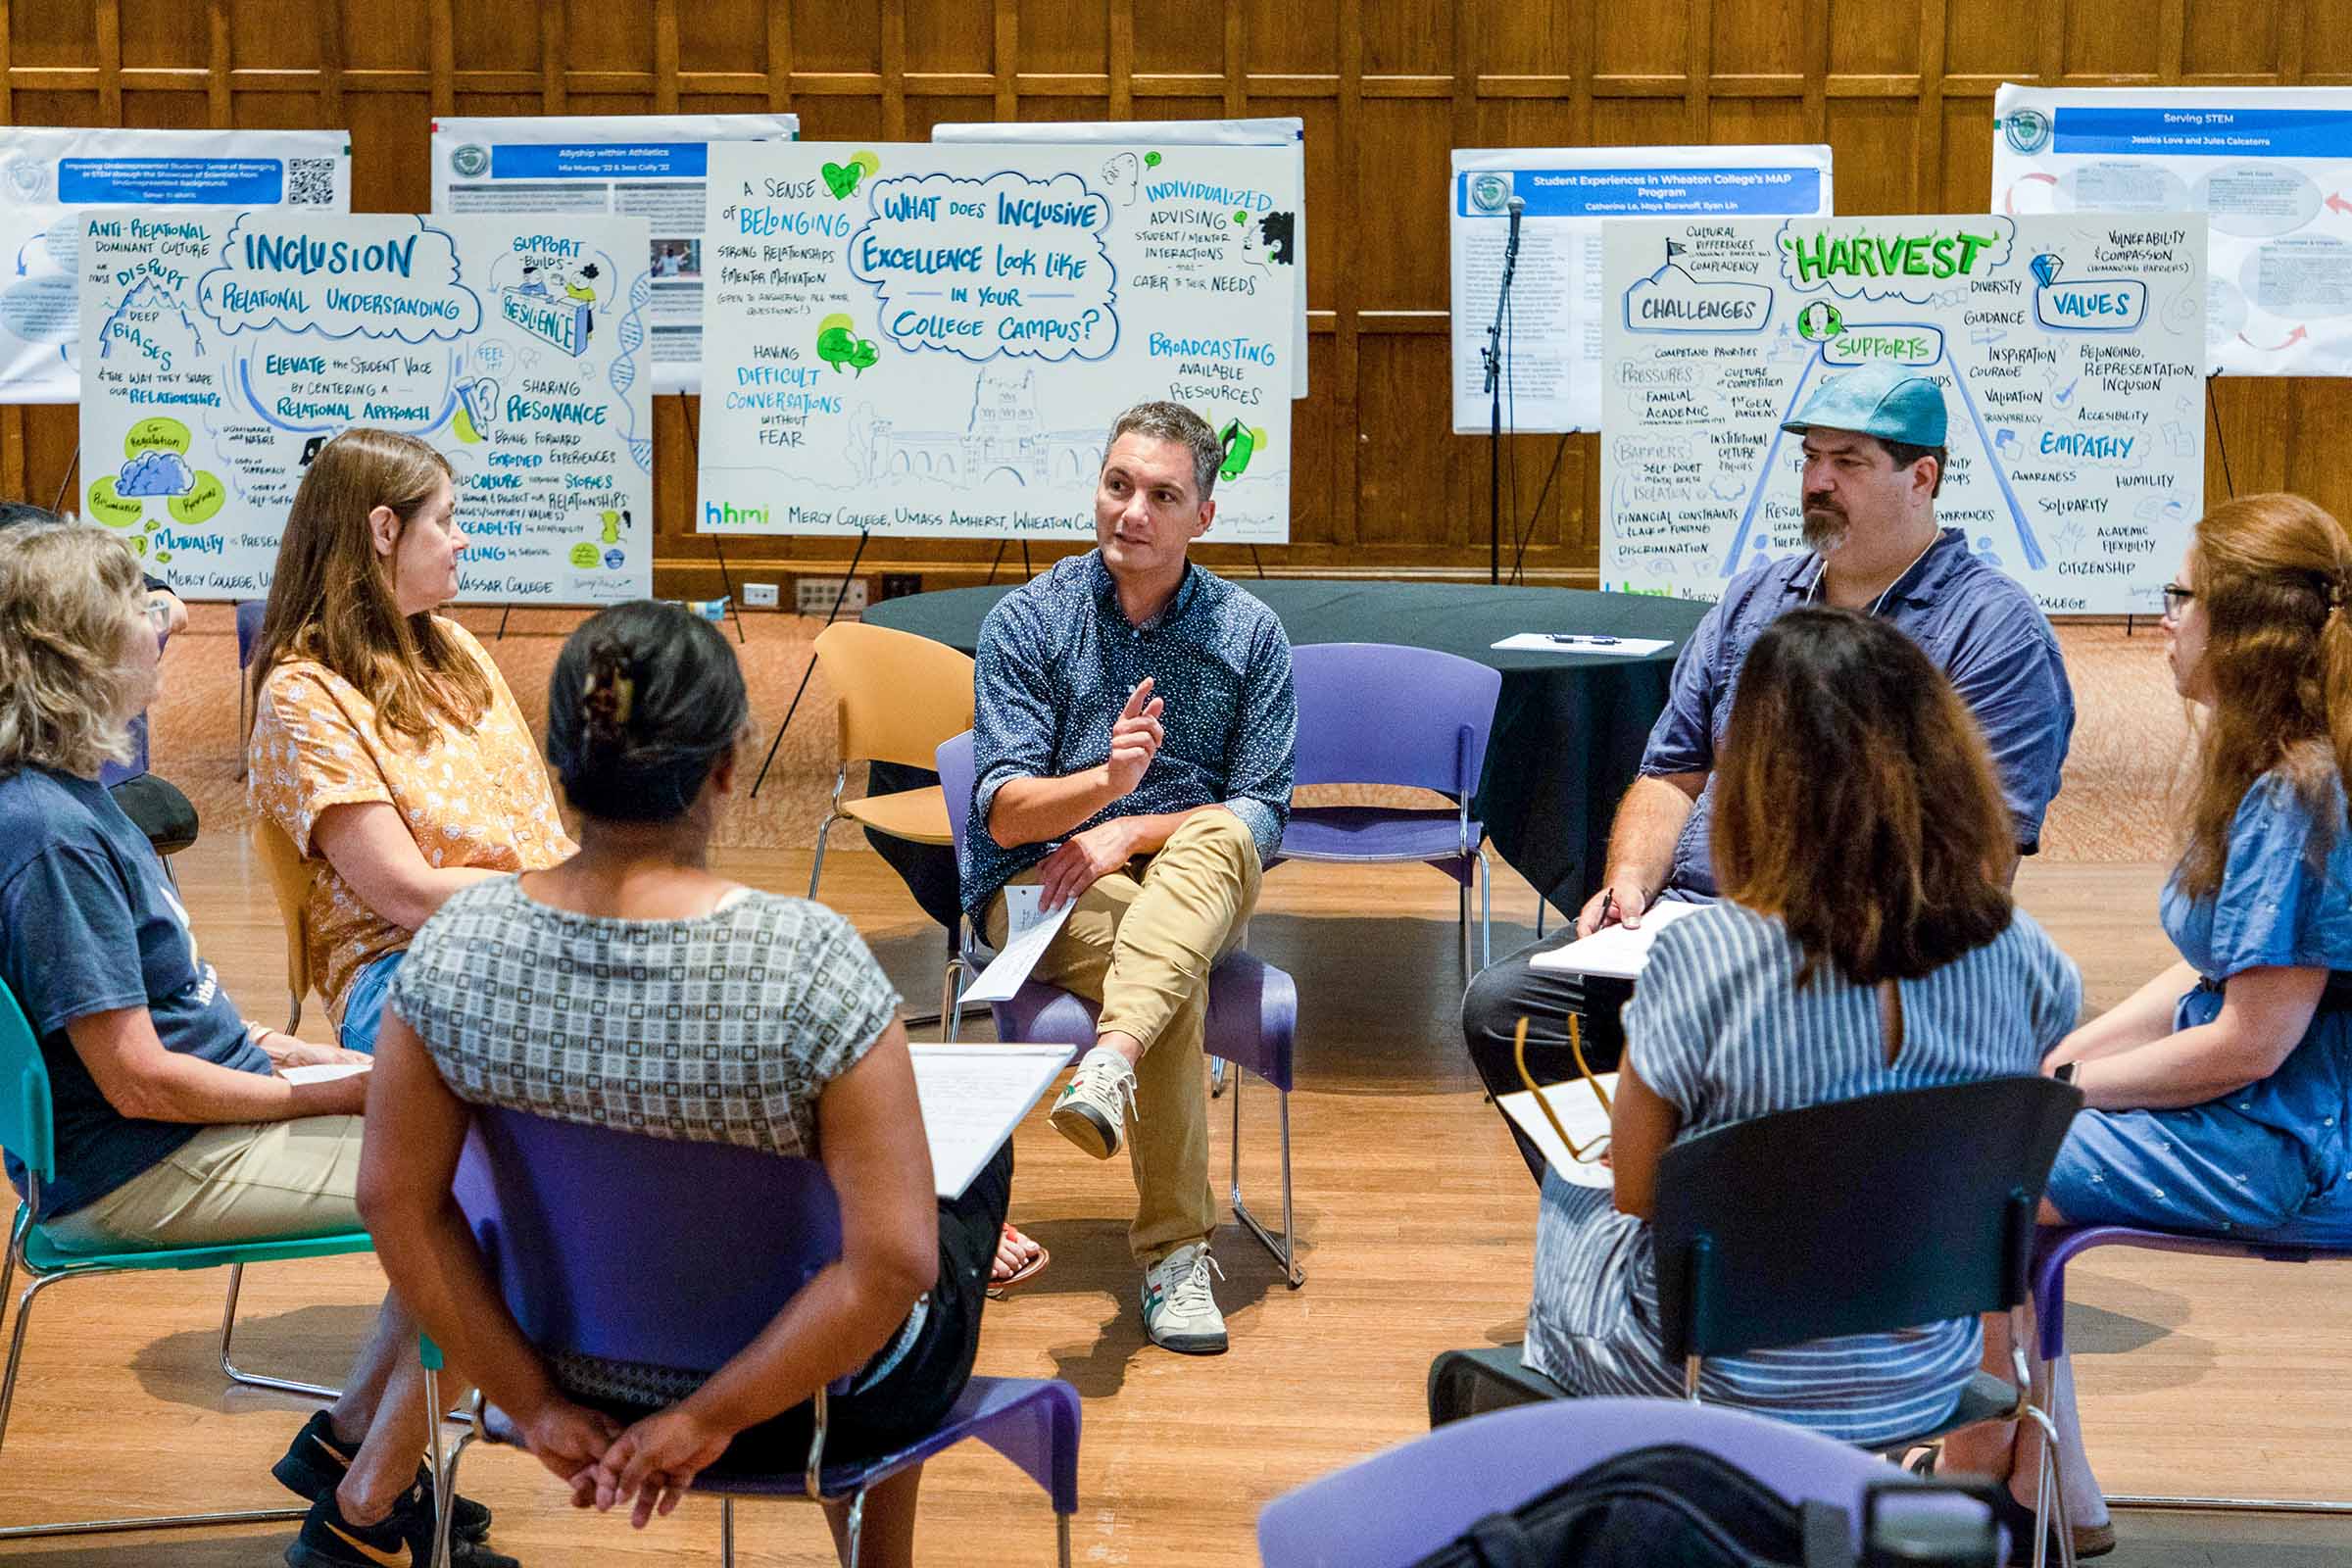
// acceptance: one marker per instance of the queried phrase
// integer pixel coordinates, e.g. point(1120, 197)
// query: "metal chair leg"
point(1285, 1253)
point(726, 1533)
point(1062, 1537)
point(293, 1012)
point(89, 1527)
point(816, 871)
point(1486, 909)
point(258, 1380)
point(856, 1524)
point(1216, 1077)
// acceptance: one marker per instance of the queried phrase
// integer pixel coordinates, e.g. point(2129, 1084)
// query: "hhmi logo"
point(722, 515)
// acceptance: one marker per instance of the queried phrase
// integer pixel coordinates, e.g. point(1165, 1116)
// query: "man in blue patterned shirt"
point(1133, 741)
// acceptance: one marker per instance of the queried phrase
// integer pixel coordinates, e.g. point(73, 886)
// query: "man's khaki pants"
point(1141, 942)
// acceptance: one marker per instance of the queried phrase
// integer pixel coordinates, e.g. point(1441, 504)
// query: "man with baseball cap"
point(1874, 459)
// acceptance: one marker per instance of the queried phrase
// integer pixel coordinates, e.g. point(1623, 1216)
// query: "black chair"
point(1859, 1216)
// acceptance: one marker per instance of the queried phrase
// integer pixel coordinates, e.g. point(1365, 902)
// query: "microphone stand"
point(1494, 360)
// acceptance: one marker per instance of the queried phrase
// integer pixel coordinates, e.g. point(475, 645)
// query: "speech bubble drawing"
point(584, 557)
point(156, 434)
point(1006, 265)
point(109, 507)
point(200, 504)
point(396, 279)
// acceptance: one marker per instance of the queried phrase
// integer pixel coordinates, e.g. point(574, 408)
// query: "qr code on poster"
point(310, 182)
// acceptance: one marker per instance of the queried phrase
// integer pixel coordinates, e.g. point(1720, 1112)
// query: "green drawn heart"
point(841, 179)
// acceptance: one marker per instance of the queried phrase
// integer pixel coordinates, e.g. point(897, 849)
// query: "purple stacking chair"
point(660, 1268)
point(1401, 1504)
point(2057, 1245)
point(1252, 1019)
point(1380, 714)
point(249, 632)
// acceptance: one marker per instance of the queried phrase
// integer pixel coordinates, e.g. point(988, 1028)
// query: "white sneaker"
point(1179, 1312)
point(1095, 1106)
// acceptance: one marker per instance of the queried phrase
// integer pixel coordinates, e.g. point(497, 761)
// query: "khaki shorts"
point(245, 1182)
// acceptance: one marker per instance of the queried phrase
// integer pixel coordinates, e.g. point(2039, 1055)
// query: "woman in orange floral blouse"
point(385, 743)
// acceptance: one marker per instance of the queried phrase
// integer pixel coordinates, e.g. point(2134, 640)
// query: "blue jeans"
point(364, 1002)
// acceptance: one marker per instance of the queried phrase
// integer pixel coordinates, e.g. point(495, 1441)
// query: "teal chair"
point(27, 1131)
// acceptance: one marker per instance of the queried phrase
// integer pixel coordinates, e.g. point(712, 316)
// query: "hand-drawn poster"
point(912, 338)
point(2269, 167)
point(2070, 350)
point(221, 349)
point(652, 167)
point(1271, 130)
point(49, 175)
point(1551, 335)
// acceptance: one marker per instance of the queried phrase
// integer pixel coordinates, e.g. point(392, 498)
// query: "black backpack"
point(1673, 1506)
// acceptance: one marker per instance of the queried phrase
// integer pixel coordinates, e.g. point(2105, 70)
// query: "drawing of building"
point(1002, 438)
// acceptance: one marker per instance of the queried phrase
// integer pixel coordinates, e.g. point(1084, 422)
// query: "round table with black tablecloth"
point(1569, 728)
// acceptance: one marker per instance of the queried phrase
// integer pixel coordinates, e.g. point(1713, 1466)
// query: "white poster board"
point(222, 347)
point(1276, 130)
point(2071, 351)
point(652, 167)
point(930, 339)
point(48, 175)
point(2271, 167)
point(1551, 342)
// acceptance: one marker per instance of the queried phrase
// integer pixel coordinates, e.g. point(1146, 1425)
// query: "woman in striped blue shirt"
point(1866, 943)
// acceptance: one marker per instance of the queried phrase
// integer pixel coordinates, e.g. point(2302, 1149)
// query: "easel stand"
point(839, 600)
point(694, 457)
point(1494, 380)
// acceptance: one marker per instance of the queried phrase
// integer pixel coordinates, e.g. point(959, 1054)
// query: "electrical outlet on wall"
point(814, 596)
point(759, 595)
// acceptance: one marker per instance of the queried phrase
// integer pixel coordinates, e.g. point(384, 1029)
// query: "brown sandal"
point(1026, 1272)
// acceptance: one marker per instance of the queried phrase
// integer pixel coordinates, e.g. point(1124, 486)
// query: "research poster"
point(220, 349)
point(652, 166)
point(51, 174)
point(2069, 351)
point(932, 340)
point(1551, 336)
point(1278, 130)
point(2269, 168)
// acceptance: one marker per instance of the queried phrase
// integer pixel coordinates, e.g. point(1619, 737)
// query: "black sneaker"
point(316, 1462)
point(402, 1539)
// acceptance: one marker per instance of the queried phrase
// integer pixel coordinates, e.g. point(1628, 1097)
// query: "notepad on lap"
point(973, 1096)
point(1617, 952)
point(1580, 1111)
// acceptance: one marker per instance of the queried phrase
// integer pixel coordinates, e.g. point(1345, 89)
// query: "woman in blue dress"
point(1866, 943)
point(2220, 1093)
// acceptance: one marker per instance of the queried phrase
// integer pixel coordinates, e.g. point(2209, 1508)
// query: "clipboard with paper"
point(1568, 1122)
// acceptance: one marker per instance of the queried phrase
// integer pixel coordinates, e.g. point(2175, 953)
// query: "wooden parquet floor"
point(1417, 1221)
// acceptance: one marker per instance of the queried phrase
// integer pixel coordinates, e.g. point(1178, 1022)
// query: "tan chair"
point(290, 879)
point(897, 698)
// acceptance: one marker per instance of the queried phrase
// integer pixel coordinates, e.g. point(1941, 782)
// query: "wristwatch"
point(2064, 1072)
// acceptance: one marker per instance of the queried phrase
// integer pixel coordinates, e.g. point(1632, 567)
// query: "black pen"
point(1580, 637)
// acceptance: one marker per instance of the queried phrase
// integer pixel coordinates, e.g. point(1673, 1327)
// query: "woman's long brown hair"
point(331, 600)
point(1854, 798)
point(2272, 573)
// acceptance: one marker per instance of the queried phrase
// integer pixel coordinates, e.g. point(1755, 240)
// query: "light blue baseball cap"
point(1893, 402)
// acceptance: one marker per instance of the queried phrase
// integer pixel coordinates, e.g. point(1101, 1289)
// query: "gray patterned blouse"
point(719, 1029)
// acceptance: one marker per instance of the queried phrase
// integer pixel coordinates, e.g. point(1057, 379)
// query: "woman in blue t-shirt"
point(2220, 1093)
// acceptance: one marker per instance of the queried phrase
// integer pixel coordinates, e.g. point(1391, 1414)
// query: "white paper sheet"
point(973, 1096)
point(1617, 952)
point(1574, 642)
point(325, 1073)
point(1580, 1111)
point(1027, 935)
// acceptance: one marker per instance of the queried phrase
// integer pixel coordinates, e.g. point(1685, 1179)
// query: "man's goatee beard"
point(1826, 532)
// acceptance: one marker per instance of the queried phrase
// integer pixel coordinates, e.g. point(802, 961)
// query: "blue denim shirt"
point(1974, 620)
point(1057, 659)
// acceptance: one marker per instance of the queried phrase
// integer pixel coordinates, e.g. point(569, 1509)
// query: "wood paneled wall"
point(1903, 91)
